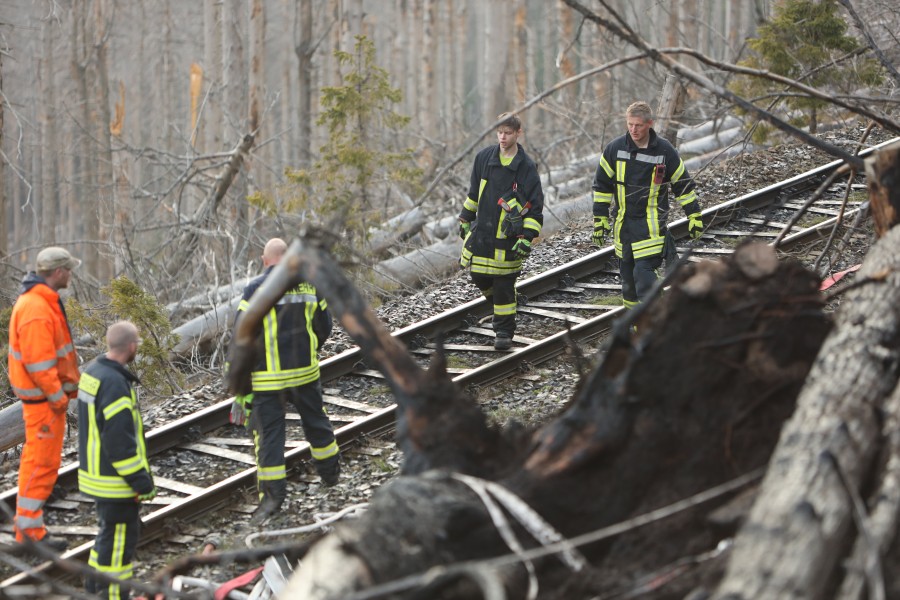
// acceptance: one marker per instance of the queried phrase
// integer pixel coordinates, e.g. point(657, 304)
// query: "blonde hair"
point(639, 109)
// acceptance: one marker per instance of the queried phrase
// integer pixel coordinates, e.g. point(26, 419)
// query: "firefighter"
point(112, 455)
point(501, 217)
point(287, 373)
point(634, 171)
point(43, 372)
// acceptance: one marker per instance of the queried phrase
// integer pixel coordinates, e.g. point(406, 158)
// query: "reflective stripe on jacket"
point(42, 360)
point(628, 175)
point(112, 452)
point(292, 332)
point(487, 247)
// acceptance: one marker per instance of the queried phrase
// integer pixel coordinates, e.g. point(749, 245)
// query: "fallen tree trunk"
point(732, 341)
point(834, 453)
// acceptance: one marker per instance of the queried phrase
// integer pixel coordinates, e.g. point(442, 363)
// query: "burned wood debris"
point(694, 398)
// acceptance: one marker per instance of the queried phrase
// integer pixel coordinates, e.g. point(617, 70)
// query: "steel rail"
point(157, 523)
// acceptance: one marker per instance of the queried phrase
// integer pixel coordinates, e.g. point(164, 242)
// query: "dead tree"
point(733, 342)
point(828, 509)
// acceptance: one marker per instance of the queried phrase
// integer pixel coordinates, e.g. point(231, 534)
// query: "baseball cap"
point(54, 258)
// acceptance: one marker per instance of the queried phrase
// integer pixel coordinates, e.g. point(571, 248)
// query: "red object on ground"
point(833, 279)
point(238, 582)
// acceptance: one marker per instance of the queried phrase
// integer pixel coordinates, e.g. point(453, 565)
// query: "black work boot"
point(329, 470)
point(267, 508)
point(503, 341)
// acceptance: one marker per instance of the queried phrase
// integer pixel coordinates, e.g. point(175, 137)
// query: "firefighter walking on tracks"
point(112, 454)
point(500, 218)
point(634, 176)
point(43, 372)
point(287, 373)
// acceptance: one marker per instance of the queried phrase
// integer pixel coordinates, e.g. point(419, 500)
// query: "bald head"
point(122, 341)
point(274, 250)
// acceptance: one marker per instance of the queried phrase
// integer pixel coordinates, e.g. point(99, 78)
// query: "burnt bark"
point(839, 447)
point(694, 399)
point(883, 177)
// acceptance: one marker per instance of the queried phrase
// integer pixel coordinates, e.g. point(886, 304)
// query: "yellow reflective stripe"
point(687, 198)
point(114, 408)
point(89, 383)
point(532, 224)
point(602, 197)
point(93, 441)
point(243, 305)
point(487, 266)
point(104, 486)
point(604, 164)
point(325, 452)
point(678, 172)
point(505, 309)
point(630, 303)
point(323, 304)
point(653, 209)
point(647, 248)
point(271, 473)
point(270, 328)
point(470, 205)
point(481, 188)
point(129, 465)
point(43, 365)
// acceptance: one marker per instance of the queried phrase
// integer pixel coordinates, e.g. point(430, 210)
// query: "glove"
point(240, 410)
point(601, 228)
point(464, 228)
point(59, 407)
point(512, 224)
point(146, 497)
point(522, 248)
point(695, 226)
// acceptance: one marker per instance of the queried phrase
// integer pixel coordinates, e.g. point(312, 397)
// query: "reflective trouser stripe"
point(114, 547)
point(326, 452)
point(272, 473)
point(267, 422)
point(38, 467)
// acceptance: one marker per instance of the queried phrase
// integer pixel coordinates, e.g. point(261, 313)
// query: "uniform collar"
point(650, 144)
point(103, 360)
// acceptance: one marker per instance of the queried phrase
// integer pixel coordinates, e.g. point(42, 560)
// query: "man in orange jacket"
point(43, 372)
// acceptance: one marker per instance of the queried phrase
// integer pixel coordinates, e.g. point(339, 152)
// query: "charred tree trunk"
point(732, 340)
point(883, 175)
point(837, 455)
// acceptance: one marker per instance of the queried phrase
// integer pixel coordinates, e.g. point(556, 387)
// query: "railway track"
point(569, 302)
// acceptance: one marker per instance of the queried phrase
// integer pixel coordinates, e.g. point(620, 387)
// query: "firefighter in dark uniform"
point(501, 217)
point(634, 171)
point(112, 455)
point(287, 373)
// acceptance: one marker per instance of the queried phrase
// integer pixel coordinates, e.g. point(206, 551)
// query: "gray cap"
point(54, 257)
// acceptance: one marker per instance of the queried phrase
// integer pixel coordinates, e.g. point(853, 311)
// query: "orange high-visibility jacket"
point(42, 361)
